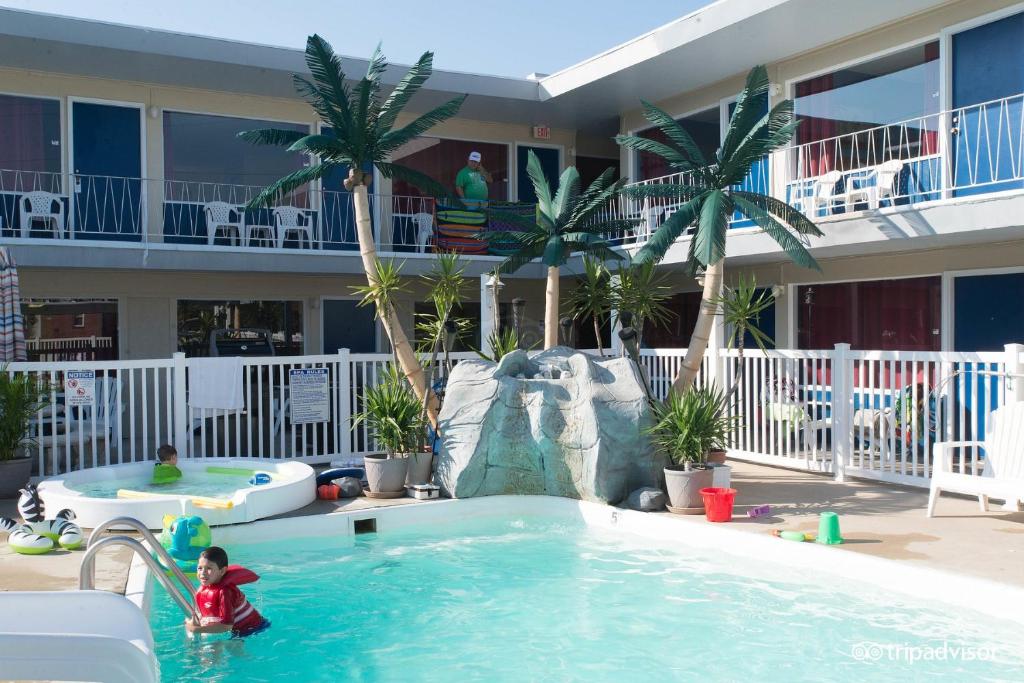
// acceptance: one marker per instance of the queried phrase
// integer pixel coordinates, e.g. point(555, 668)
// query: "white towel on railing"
point(215, 383)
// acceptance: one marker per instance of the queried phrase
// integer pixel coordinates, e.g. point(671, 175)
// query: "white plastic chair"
point(885, 180)
point(219, 218)
point(825, 193)
point(424, 230)
point(42, 206)
point(1003, 476)
point(290, 220)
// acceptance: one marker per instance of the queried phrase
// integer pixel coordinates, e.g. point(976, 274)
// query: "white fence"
point(873, 414)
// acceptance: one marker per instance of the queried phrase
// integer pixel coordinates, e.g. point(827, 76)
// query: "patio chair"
point(42, 206)
point(424, 223)
point(226, 218)
point(881, 184)
point(294, 221)
point(794, 421)
point(1003, 476)
point(825, 193)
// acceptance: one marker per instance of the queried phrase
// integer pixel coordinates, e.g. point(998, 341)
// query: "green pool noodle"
point(793, 535)
point(214, 469)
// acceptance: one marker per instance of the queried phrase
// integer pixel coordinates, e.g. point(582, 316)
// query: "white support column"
point(344, 417)
point(842, 410)
point(715, 352)
point(490, 318)
point(1014, 373)
point(182, 433)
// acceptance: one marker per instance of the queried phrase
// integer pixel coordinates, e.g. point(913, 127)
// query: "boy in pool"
point(220, 605)
point(166, 469)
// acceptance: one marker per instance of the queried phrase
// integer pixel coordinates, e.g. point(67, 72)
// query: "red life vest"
point(224, 603)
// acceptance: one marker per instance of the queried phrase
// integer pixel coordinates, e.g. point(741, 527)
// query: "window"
point(198, 319)
point(443, 159)
point(70, 329)
point(887, 315)
point(206, 149)
point(675, 332)
point(29, 141)
point(903, 86)
point(705, 129)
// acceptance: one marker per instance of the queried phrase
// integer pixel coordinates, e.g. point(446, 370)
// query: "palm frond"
point(392, 140)
point(414, 177)
point(325, 67)
point(785, 213)
point(518, 260)
point(778, 232)
point(751, 105)
point(272, 136)
point(709, 240)
point(663, 191)
point(675, 132)
point(674, 157)
point(516, 219)
point(540, 185)
point(774, 130)
point(556, 252)
point(321, 104)
point(327, 147)
point(568, 191)
point(669, 231)
point(276, 191)
point(410, 84)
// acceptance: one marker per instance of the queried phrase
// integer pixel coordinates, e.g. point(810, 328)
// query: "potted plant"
point(21, 397)
point(686, 428)
point(395, 419)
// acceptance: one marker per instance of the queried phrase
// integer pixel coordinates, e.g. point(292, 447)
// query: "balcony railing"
point(41, 205)
point(963, 152)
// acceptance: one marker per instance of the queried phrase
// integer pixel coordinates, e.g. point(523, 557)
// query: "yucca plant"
point(566, 223)
point(362, 135)
point(502, 343)
point(22, 396)
point(639, 289)
point(689, 425)
point(592, 296)
point(710, 198)
point(393, 414)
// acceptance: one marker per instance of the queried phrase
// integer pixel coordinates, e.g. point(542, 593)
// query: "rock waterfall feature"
point(562, 423)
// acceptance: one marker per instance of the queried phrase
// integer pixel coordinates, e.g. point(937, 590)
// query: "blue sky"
point(482, 37)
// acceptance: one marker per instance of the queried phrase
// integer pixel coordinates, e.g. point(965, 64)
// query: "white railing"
point(873, 414)
point(155, 212)
point(68, 348)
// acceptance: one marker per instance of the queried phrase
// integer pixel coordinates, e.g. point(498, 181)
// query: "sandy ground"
point(876, 519)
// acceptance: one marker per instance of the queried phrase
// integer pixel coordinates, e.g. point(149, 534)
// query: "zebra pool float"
point(37, 535)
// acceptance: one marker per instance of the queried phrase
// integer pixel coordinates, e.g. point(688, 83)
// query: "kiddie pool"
point(216, 489)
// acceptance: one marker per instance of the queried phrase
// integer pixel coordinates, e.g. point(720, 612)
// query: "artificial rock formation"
point(562, 423)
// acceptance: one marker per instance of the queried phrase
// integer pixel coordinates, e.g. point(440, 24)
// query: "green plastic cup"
point(828, 529)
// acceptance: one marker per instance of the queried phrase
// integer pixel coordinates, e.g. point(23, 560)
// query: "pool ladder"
point(87, 573)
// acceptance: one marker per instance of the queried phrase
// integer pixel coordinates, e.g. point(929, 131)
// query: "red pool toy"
point(718, 503)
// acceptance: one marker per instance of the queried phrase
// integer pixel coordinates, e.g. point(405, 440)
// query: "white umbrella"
point(12, 326)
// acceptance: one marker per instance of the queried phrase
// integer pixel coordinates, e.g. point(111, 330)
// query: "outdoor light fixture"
point(778, 291)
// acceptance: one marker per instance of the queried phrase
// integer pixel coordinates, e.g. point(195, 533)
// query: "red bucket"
point(718, 503)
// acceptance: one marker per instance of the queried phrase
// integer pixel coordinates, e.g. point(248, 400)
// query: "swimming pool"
point(217, 489)
point(541, 589)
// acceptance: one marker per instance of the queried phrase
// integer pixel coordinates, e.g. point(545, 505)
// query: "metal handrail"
point(86, 575)
point(146, 534)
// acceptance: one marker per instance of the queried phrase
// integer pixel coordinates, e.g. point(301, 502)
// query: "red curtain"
point(443, 161)
point(24, 136)
point(819, 158)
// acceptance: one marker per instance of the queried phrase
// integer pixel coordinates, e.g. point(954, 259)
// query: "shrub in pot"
point(686, 428)
point(395, 420)
point(21, 397)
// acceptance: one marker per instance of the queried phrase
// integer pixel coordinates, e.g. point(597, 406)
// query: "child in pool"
point(220, 605)
point(166, 469)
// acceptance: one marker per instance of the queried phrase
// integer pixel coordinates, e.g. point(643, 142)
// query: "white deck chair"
point(42, 206)
point(294, 221)
point(219, 219)
point(424, 230)
point(1003, 476)
point(825, 193)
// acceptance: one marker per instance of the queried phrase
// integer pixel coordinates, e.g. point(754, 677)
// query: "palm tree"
point(592, 296)
point(362, 134)
point(566, 223)
point(710, 198)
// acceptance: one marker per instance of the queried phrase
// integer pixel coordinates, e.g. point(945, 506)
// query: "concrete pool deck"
point(876, 519)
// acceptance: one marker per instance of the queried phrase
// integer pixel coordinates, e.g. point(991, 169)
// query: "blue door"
point(988, 64)
point(349, 326)
point(107, 167)
point(338, 215)
point(757, 180)
point(549, 162)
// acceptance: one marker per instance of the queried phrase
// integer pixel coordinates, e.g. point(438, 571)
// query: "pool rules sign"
point(80, 388)
point(310, 395)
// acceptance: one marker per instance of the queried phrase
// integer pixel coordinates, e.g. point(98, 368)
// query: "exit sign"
point(541, 132)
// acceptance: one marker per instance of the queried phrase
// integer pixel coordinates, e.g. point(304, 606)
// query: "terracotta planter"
point(384, 474)
point(684, 487)
point(14, 474)
point(419, 468)
point(716, 457)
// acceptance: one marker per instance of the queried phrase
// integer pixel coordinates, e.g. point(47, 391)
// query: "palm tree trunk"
point(597, 336)
point(702, 329)
point(411, 367)
point(551, 309)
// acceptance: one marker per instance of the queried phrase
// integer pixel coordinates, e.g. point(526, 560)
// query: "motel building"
point(118, 152)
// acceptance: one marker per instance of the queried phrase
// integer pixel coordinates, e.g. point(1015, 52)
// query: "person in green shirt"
point(166, 470)
point(471, 182)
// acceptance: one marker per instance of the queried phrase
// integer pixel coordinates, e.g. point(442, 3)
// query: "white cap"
point(474, 156)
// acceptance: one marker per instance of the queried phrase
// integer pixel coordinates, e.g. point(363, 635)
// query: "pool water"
point(531, 599)
point(192, 483)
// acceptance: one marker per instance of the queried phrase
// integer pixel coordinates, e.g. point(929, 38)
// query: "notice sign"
point(80, 388)
point(310, 396)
